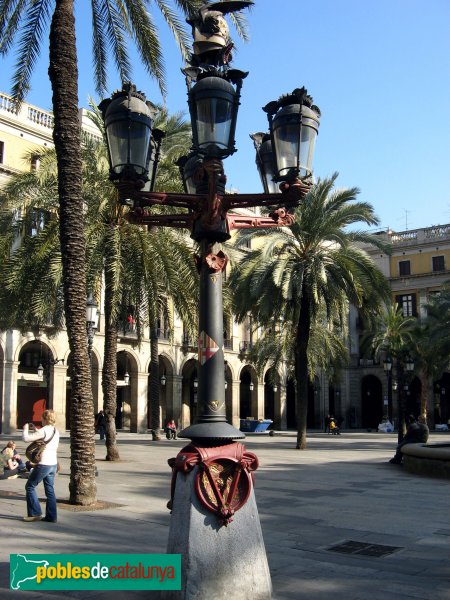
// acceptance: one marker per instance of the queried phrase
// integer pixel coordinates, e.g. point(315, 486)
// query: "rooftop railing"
point(27, 112)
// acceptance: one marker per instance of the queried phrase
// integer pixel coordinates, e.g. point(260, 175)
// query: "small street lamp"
point(163, 380)
point(403, 391)
point(91, 322)
point(126, 378)
point(251, 386)
point(43, 372)
point(387, 366)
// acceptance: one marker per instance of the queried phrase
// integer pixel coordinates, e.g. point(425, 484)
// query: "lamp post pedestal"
point(217, 562)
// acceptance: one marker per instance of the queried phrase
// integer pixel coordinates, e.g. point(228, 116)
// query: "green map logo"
point(95, 572)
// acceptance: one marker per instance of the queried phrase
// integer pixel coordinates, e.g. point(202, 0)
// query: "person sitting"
point(334, 429)
point(171, 430)
point(13, 465)
point(417, 433)
point(16, 456)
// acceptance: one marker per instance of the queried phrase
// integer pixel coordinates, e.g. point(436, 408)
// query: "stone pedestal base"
point(217, 562)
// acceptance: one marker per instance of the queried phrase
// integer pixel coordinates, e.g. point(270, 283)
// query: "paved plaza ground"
point(340, 490)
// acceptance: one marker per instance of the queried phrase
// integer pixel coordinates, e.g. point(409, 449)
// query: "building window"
point(35, 163)
point(404, 268)
point(408, 304)
point(2, 152)
point(438, 263)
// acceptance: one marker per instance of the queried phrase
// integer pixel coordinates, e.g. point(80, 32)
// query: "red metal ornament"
point(224, 478)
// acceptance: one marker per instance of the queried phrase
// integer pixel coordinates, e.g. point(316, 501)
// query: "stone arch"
point(166, 371)
point(248, 392)
point(127, 405)
point(291, 404)
point(442, 400)
point(34, 393)
point(314, 395)
point(371, 402)
point(272, 409)
point(228, 393)
point(412, 400)
point(189, 386)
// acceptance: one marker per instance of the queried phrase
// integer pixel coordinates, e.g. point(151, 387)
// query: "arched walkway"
point(248, 393)
point(371, 402)
point(34, 391)
point(189, 406)
point(272, 398)
point(291, 407)
point(127, 384)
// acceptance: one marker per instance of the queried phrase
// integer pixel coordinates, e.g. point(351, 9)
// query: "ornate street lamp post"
point(408, 366)
point(212, 481)
point(91, 322)
point(44, 372)
point(387, 365)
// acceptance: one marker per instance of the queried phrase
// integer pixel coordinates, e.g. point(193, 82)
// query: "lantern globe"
point(128, 121)
point(295, 129)
point(213, 103)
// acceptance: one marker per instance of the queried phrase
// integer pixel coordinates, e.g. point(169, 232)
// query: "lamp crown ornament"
point(210, 30)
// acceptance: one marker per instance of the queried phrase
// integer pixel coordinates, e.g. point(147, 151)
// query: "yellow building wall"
point(421, 262)
point(15, 150)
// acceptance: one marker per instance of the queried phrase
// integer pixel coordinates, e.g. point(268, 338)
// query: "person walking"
point(44, 471)
point(100, 424)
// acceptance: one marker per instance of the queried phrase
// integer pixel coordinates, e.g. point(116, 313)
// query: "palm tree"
point(431, 344)
point(275, 349)
point(393, 335)
point(113, 22)
point(146, 270)
point(315, 268)
point(176, 142)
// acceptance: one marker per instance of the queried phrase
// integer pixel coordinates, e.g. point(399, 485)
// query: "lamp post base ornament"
point(215, 525)
point(223, 480)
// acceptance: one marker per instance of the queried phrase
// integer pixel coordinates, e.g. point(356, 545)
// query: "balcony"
point(127, 329)
point(189, 344)
point(245, 347)
point(163, 333)
point(369, 362)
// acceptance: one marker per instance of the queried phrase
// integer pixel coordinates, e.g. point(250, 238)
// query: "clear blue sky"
point(378, 70)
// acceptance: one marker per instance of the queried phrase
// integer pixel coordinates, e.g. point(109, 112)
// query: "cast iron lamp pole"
point(387, 365)
point(220, 466)
point(91, 322)
point(402, 380)
point(43, 372)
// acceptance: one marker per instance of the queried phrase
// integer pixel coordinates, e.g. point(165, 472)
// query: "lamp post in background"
point(406, 366)
point(232, 544)
point(44, 372)
point(387, 366)
point(91, 322)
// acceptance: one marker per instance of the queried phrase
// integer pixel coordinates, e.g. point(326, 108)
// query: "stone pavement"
point(340, 490)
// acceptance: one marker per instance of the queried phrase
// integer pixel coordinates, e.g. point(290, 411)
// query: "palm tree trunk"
point(109, 373)
point(301, 370)
point(154, 384)
point(425, 382)
point(63, 73)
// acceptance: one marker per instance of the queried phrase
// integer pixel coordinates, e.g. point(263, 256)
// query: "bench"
point(427, 459)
